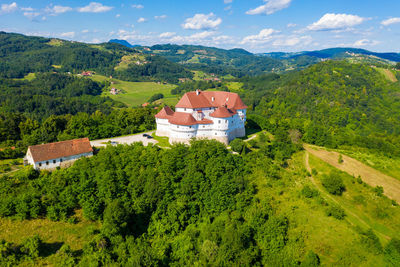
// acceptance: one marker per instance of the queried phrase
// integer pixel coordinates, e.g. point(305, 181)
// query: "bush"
point(156, 97)
point(333, 183)
point(392, 252)
point(309, 192)
point(31, 246)
point(371, 241)
point(311, 259)
point(336, 212)
point(378, 190)
point(237, 145)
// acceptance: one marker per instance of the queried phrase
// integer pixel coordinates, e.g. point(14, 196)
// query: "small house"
point(58, 154)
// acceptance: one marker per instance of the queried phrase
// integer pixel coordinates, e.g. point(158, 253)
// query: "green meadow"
point(137, 93)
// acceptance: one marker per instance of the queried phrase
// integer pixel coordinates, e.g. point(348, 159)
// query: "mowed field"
point(137, 93)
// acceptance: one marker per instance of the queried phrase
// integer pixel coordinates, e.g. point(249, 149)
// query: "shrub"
point(340, 160)
point(31, 246)
point(237, 145)
point(336, 212)
point(392, 252)
point(378, 190)
point(309, 192)
point(371, 241)
point(311, 259)
point(333, 183)
point(314, 172)
point(156, 97)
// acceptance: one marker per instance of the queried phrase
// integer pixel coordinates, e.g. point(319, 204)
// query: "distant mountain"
point(122, 42)
point(335, 53)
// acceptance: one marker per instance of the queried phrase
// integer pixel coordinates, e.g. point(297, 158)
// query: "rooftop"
point(60, 149)
point(200, 99)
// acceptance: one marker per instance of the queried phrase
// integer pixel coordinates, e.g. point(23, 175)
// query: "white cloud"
point(95, 7)
point(202, 35)
point(85, 31)
point(365, 42)
point(141, 20)
point(332, 21)
point(55, 10)
point(291, 25)
point(390, 21)
point(202, 22)
point(160, 17)
point(118, 15)
point(228, 1)
point(31, 15)
point(8, 8)
point(137, 6)
point(293, 41)
point(67, 34)
point(28, 9)
point(270, 7)
point(264, 36)
point(167, 34)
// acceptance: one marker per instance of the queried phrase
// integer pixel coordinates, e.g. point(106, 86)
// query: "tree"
point(237, 145)
point(333, 183)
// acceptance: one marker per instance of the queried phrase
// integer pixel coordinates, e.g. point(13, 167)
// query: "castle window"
point(184, 109)
point(215, 133)
point(60, 160)
point(54, 161)
point(47, 163)
point(219, 121)
point(40, 164)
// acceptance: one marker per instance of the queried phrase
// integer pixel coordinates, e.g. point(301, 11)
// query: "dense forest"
point(21, 55)
point(331, 104)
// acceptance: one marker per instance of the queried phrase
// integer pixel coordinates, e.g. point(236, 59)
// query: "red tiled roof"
point(223, 112)
point(60, 149)
point(165, 113)
point(205, 99)
point(205, 121)
point(182, 118)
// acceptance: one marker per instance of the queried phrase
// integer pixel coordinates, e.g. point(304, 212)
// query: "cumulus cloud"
point(202, 22)
point(118, 15)
point(390, 21)
point(160, 17)
point(270, 7)
point(291, 25)
point(28, 9)
point(8, 8)
point(228, 1)
point(332, 21)
point(31, 15)
point(293, 41)
point(67, 34)
point(365, 42)
point(167, 34)
point(264, 36)
point(95, 7)
point(141, 20)
point(137, 6)
point(55, 10)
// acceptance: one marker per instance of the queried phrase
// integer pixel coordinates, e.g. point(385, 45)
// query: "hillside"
point(21, 55)
point(332, 103)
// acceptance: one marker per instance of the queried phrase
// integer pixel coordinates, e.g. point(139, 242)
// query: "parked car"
point(145, 135)
point(114, 143)
point(149, 137)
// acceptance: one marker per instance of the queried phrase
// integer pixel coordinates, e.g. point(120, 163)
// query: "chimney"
point(197, 91)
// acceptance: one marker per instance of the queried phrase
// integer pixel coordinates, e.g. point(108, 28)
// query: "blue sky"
point(255, 25)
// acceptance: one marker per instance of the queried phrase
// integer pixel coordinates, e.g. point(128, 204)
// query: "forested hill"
point(20, 55)
point(331, 103)
point(237, 62)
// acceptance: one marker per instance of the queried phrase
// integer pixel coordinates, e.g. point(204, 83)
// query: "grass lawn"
point(162, 140)
point(380, 162)
point(29, 77)
point(10, 165)
point(389, 75)
point(137, 93)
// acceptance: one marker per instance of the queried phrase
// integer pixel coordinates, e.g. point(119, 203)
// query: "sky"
point(255, 25)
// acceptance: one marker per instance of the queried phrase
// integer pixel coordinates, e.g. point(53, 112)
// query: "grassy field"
point(389, 75)
point(137, 93)
point(10, 165)
point(366, 208)
point(29, 77)
point(53, 234)
point(387, 165)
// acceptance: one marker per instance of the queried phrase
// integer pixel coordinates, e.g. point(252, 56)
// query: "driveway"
point(125, 140)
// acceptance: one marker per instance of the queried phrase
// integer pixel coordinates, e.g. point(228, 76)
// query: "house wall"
point(66, 161)
point(222, 129)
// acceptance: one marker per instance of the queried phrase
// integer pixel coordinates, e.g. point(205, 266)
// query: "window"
point(190, 127)
point(219, 121)
point(54, 161)
point(60, 160)
point(40, 164)
point(215, 133)
point(47, 163)
point(184, 109)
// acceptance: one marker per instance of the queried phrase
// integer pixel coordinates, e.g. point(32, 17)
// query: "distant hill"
point(122, 42)
point(335, 53)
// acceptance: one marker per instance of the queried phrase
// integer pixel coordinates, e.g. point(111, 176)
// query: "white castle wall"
point(222, 129)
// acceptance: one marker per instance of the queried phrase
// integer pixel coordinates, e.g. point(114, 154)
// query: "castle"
point(209, 115)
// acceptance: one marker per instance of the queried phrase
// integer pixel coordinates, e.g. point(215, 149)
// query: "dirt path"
point(391, 186)
point(327, 196)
